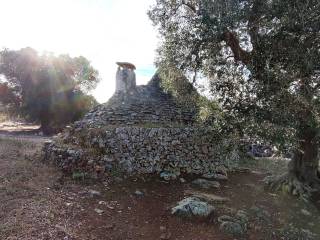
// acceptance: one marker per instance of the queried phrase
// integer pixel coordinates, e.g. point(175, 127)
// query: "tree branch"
point(239, 54)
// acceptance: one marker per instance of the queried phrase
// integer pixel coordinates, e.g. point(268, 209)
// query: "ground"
point(39, 202)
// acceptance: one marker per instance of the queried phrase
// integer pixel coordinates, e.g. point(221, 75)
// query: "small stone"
point(94, 193)
point(90, 162)
point(232, 228)
point(99, 211)
point(110, 207)
point(138, 193)
point(305, 212)
point(182, 180)
point(168, 175)
point(48, 142)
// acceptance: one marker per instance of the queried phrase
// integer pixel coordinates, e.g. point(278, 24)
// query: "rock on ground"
point(236, 225)
point(232, 228)
point(193, 206)
point(168, 175)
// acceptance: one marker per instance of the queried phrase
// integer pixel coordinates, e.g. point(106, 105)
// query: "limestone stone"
point(168, 175)
point(99, 211)
point(192, 206)
point(138, 193)
point(232, 228)
point(94, 193)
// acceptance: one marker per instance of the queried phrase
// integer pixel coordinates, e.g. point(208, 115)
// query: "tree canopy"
point(261, 59)
point(46, 88)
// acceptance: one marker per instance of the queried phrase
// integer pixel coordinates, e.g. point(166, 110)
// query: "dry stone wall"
point(140, 150)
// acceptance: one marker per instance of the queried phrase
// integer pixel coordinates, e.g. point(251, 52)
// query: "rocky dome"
point(145, 104)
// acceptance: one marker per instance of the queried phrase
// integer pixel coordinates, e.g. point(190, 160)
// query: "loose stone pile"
point(142, 131)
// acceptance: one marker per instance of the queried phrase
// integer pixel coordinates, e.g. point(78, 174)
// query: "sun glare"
point(104, 31)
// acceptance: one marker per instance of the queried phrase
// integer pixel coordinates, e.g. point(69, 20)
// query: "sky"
point(103, 31)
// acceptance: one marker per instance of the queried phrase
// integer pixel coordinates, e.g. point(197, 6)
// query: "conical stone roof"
point(145, 105)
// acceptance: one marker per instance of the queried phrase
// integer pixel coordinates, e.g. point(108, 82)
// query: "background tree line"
point(47, 89)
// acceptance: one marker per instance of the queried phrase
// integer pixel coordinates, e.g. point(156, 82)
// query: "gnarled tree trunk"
point(305, 163)
point(45, 123)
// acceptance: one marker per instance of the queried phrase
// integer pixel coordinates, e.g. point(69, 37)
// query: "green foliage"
point(260, 58)
point(7, 94)
point(173, 80)
point(211, 113)
point(49, 89)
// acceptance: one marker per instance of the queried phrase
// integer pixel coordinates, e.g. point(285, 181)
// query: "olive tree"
point(52, 90)
point(262, 61)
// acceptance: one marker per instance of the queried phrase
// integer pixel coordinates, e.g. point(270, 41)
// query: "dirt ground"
point(38, 202)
